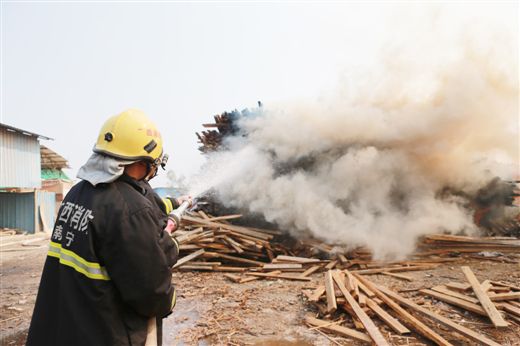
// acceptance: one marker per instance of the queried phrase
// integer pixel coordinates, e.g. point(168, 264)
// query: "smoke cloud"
point(386, 158)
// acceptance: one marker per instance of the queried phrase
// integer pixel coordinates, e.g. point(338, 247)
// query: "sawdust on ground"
point(211, 310)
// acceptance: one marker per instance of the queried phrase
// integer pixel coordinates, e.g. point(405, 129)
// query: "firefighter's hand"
point(171, 226)
point(183, 199)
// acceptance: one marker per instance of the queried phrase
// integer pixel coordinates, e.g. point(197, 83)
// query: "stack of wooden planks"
point(221, 245)
point(226, 124)
point(444, 244)
point(352, 306)
point(211, 140)
point(210, 243)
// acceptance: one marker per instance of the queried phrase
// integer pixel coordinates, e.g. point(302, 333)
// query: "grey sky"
point(66, 67)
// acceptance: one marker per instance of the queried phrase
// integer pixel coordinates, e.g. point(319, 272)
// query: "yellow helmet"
point(130, 136)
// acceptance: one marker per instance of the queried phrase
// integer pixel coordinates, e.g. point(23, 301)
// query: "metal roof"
point(19, 160)
point(51, 159)
point(23, 132)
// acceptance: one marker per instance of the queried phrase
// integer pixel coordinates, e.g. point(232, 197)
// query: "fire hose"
point(174, 220)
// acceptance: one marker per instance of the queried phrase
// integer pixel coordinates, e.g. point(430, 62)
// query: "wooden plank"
point(498, 283)
point(413, 322)
point(395, 269)
point(188, 247)
point(365, 289)
point(504, 296)
point(350, 311)
point(514, 318)
point(399, 276)
point(486, 285)
point(189, 235)
point(444, 290)
point(273, 266)
point(191, 267)
point(500, 289)
point(462, 287)
point(203, 214)
point(441, 319)
point(329, 290)
point(509, 308)
point(310, 271)
point(228, 269)
point(188, 258)
point(352, 284)
point(248, 279)
point(225, 217)
point(317, 293)
point(362, 300)
point(455, 301)
point(369, 325)
point(387, 318)
point(234, 259)
point(343, 259)
point(238, 229)
point(496, 318)
point(280, 276)
point(331, 265)
point(204, 263)
point(236, 246)
point(515, 304)
point(232, 277)
point(343, 331)
point(297, 259)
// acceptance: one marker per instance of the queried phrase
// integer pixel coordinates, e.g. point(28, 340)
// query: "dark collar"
point(138, 185)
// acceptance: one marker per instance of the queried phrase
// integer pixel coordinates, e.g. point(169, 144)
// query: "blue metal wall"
point(47, 204)
point(22, 210)
point(19, 160)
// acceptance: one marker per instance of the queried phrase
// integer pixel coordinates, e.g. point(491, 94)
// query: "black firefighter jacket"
point(108, 268)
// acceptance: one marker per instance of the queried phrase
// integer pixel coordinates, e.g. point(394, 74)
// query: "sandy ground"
point(211, 310)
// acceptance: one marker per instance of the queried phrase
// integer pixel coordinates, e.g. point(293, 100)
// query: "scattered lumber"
point(441, 319)
point(329, 290)
point(387, 318)
point(332, 327)
point(370, 327)
point(443, 244)
point(408, 318)
point(369, 313)
point(487, 304)
point(455, 301)
point(504, 296)
point(244, 254)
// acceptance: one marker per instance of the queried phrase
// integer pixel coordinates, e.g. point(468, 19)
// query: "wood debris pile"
point(348, 304)
point(491, 248)
point(223, 246)
point(226, 124)
point(352, 306)
point(214, 244)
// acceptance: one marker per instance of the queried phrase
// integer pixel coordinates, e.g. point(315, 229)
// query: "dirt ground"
point(211, 310)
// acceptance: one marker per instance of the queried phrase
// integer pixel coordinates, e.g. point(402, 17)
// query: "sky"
point(68, 66)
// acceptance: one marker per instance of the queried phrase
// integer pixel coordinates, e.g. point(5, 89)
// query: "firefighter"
point(108, 269)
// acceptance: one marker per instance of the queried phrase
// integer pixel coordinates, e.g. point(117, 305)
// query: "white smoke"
point(371, 164)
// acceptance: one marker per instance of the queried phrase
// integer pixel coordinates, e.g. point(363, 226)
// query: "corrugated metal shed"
point(19, 158)
point(29, 211)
